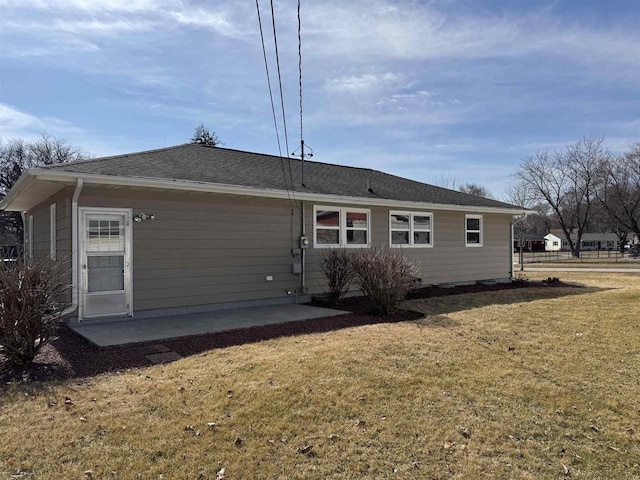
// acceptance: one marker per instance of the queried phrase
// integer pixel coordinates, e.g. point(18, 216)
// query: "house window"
point(412, 229)
point(52, 230)
point(473, 230)
point(340, 227)
point(555, 243)
point(28, 237)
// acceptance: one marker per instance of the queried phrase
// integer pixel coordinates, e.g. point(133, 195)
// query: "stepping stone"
point(156, 348)
point(163, 357)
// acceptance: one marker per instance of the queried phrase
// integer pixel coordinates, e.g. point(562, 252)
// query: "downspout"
point(511, 251)
point(303, 251)
point(75, 254)
point(513, 222)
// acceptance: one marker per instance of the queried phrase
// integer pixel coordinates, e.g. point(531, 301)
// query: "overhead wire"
point(273, 109)
point(284, 117)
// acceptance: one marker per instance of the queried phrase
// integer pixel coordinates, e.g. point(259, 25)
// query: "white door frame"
point(128, 264)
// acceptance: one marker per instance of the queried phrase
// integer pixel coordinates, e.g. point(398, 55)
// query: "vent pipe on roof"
point(369, 186)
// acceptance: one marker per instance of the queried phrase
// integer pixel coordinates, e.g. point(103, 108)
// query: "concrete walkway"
point(125, 332)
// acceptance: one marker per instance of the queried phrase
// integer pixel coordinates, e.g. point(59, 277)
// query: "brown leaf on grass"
point(464, 431)
point(306, 449)
point(361, 424)
point(67, 401)
point(88, 473)
point(565, 469)
point(189, 428)
point(238, 442)
point(449, 445)
point(594, 428)
point(221, 475)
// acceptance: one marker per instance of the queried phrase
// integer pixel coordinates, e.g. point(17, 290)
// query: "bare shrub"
point(30, 305)
point(385, 275)
point(336, 265)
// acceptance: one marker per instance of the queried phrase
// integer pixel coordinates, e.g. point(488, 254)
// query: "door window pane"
point(105, 236)
point(105, 273)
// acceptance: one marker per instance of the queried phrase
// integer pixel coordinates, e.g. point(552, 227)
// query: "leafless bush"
point(336, 265)
point(30, 305)
point(385, 275)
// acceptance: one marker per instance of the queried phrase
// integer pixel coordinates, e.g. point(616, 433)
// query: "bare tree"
point(446, 181)
point(475, 189)
point(18, 155)
point(567, 180)
point(620, 191)
point(518, 194)
point(202, 136)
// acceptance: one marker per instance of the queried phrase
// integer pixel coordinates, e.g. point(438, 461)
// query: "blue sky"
point(431, 90)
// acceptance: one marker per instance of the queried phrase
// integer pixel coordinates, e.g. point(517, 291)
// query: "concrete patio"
point(107, 334)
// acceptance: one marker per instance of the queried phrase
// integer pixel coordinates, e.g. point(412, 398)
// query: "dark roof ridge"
point(111, 157)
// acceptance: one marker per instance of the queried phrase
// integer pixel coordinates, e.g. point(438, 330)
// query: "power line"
point(284, 117)
point(273, 110)
point(300, 71)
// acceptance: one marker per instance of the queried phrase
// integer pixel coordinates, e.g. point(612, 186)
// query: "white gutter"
point(75, 254)
point(260, 192)
point(513, 222)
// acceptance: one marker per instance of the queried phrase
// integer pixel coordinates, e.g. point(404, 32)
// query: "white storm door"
point(105, 242)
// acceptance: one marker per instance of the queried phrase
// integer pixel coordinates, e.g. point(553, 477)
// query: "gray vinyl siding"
point(449, 260)
point(41, 229)
point(205, 249)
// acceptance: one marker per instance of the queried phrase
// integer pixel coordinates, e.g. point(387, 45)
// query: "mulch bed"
point(70, 356)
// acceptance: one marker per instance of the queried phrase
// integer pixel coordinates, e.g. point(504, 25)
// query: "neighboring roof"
point(591, 237)
point(202, 168)
point(530, 237)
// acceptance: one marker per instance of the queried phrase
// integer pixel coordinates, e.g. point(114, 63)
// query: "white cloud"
point(364, 84)
point(369, 30)
point(15, 123)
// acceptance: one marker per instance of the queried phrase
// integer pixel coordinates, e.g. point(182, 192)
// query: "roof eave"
point(23, 183)
point(71, 177)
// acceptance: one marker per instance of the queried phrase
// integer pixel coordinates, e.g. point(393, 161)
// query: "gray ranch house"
point(191, 228)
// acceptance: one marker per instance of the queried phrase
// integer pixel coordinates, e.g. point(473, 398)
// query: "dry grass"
point(530, 383)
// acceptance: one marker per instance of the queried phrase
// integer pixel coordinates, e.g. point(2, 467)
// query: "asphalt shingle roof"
point(214, 165)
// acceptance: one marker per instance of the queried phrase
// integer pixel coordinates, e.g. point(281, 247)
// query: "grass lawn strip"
point(525, 383)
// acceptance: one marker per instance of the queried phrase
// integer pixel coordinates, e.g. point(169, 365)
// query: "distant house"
point(192, 228)
point(531, 242)
point(552, 243)
point(594, 241)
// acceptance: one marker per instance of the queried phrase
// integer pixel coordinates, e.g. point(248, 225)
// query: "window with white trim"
point(340, 227)
point(411, 229)
point(28, 238)
point(473, 230)
point(52, 230)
